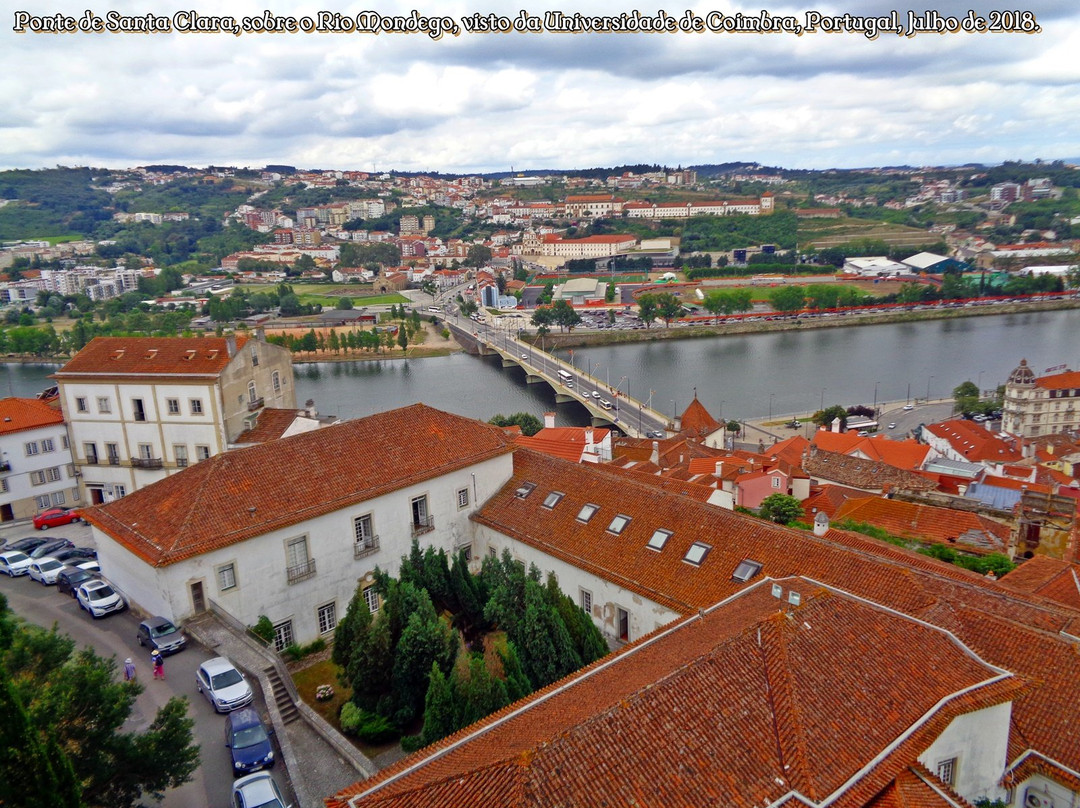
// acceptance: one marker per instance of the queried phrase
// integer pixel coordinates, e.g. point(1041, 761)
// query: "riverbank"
point(574, 339)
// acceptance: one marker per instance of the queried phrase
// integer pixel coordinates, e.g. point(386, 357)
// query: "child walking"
point(159, 664)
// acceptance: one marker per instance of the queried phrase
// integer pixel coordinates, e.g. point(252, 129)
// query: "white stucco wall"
point(979, 743)
point(1041, 792)
point(645, 615)
point(260, 563)
point(21, 492)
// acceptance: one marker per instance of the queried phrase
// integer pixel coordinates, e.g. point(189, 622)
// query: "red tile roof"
point(271, 425)
point(170, 356)
point(974, 442)
point(1049, 577)
point(248, 492)
point(19, 414)
point(903, 454)
point(738, 707)
point(828, 498)
point(1059, 381)
point(909, 520)
point(696, 421)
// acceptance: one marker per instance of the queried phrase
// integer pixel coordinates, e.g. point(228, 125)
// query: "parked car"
point(54, 517)
point(70, 577)
point(50, 547)
point(99, 598)
point(223, 685)
point(45, 570)
point(909, 406)
point(25, 545)
point(160, 633)
point(14, 563)
point(248, 741)
point(257, 791)
point(75, 555)
point(892, 425)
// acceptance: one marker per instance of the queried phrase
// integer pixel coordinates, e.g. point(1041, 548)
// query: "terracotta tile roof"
point(19, 414)
point(1059, 381)
point(918, 788)
point(790, 450)
point(271, 425)
point(869, 475)
point(909, 520)
point(1049, 577)
point(828, 498)
point(696, 421)
point(248, 492)
point(737, 707)
point(903, 454)
point(976, 443)
point(170, 356)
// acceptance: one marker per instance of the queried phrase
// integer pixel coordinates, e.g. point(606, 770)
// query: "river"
point(736, 376)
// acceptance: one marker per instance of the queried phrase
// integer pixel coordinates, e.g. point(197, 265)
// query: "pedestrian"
point(159, 664)
point(129, 670)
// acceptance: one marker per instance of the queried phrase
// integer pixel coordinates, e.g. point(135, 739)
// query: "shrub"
point(350, 717)
point(263, 628)
point(410, 743)
point(324, 693)
point(368, 727)
point(294, 652)
point(315, 646)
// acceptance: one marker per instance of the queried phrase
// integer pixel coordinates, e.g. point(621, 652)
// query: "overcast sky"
point(489, 102)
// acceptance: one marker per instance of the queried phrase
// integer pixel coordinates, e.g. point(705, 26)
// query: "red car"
point(56, 516)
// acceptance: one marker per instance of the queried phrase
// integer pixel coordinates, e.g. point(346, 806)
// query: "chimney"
point(549, 421)
point(719, 468)
point(309, 408)
point(821, 524)
point(588, 436)
point(836, 424)
point(260, 334)
point(230, 345)
point(654, 458)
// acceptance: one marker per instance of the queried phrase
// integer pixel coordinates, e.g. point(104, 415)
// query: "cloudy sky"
point(489, 102)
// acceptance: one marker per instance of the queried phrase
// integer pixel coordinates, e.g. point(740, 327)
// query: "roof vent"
point(524, 490)
point(151, 353)
point(118, 354)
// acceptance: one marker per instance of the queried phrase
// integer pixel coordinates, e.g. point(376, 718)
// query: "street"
point(114, 636)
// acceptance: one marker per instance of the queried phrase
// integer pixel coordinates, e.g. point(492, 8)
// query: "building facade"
point(1041, 405)
point(35, 463)
point(140, 409)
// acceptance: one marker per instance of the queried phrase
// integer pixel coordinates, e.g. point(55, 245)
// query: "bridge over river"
point(607, 405)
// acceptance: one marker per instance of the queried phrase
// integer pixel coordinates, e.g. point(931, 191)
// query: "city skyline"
point(488, 102)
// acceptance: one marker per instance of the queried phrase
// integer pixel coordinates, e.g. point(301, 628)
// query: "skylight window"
point(697, 552)
point(553, 499)
point(524, 490)
point(659, 539)
point(618, 523)
point(587, 511)
point(746, 570)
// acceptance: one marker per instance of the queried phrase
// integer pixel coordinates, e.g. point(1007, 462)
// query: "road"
point(114, 636)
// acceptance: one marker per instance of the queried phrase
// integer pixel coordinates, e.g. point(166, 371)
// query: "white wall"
point(979, 741)
point(22, 493)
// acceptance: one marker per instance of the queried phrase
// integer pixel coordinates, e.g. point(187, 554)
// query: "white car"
point(257, 791)
point(45, 570)
point(14, 563)
point(223, 685)
point(909, 406)
point(99, 598)
point(892, 425)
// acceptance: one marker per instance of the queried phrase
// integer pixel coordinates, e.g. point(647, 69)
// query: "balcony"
point(256, 404)
point(422, 526)
point(114, 460)
point(301, 572)
point(91, 460)
point(146, 462)
point(366, 546)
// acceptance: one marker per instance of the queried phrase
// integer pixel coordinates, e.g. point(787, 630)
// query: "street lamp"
point(875, 398)
point(822, 407)
point(928, 388)
point(981, 372)
point(770, 404)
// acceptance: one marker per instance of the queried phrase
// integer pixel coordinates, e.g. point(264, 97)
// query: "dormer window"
point(587, 511)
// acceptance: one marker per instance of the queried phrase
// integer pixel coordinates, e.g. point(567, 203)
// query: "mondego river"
point(739, 376)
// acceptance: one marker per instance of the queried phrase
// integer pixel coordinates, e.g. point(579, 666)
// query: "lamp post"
point(875, 398)
point(980, 382)
point(928, 387)
point(770, 404)
point(822, 407)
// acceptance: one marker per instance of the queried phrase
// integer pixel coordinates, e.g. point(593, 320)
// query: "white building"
point(287, 529)
point(35, 463)
point(140, 409)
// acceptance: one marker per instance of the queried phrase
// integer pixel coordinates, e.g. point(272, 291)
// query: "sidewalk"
point(319, 761)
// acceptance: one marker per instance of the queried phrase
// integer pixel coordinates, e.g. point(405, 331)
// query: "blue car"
point(248, 741)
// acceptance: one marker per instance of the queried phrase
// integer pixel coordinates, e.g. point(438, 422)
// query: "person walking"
point(129, 670)
point(159, 664)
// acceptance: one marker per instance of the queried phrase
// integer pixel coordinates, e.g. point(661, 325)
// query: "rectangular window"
point(90, 450)
point(365, 540)
point(58, 498)
point(421, 522)
point(371, 598)
point(119, 491)
point(586, 601)
point(47, 445)
point(64, 442)
point(180, 453)
point(622, 620)
point(327, 618)
point(202, 453)
point(463, 498)
point(283, 635)
point(196, 406)
point(946, 771)
point(775, 482)
point(298, 566)
point(112, 450)
point(37, 478)
point(226, 577)
point(137, 409)
point(43, 502)
point(254, 356)
point(173, 405)
point(276, 382)
point(80, 404)
point(104, 406)
point(4, 485)
point(146, 451)
point(32, 448)
point(53, 474)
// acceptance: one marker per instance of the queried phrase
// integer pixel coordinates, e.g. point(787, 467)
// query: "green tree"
point(647, 308)
point(787, 298)
point(966, 397)
point(289, 305)
point(402, 338)
point(477, 256)
point(424, 640)
point(668, 307)
point(345, 303)
point(439, 709)
point(528, 422)
point(826, 416)
point(781, 508)
point(543, 319)
point(564, 315)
